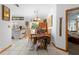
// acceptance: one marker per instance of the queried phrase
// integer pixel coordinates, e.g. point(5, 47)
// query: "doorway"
point(72, 30)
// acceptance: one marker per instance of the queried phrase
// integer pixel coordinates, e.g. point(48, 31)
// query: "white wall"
point(53, 13)
point(5, 32)
point(61, 8)
point(18, 22)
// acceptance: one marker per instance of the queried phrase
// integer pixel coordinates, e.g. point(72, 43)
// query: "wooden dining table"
point(44, 39)
point(35, 37)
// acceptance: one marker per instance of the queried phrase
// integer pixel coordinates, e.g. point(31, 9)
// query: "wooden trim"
point(72, 9)
point(77, 25)
point(59, 48)
point(2, 50)
point(66, 30)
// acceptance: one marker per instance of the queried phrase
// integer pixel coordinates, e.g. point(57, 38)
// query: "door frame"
point(72, 9)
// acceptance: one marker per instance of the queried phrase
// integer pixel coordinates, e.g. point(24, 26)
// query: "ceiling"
point(27, 10)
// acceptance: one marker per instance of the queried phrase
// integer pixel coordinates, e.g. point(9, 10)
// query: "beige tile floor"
point(22, 47)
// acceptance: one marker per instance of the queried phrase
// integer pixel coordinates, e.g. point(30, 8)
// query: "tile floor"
point(73, 49)
point(22, 47)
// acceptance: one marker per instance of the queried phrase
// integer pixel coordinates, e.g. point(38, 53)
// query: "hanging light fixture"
point(36, 15)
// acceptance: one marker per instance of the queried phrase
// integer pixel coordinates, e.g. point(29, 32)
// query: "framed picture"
point(60, 30)
point(50, 21)
point(5, 13)
point(27, 23)
point(17, 18)
point(34, 25)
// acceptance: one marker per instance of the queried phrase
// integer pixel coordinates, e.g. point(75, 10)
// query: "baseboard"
point(59, 48)
point(3, 49)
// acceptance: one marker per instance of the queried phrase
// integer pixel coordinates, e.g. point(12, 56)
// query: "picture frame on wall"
point(5, 13)
point(34, 25)
point(60, 24)
point(17, 18)
point(27, 23)
point(50, 20)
